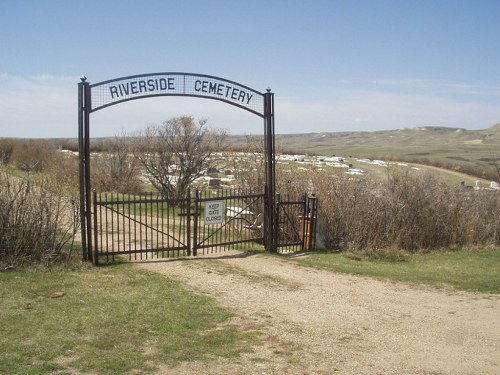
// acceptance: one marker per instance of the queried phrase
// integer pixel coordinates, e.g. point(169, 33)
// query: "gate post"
point(84, 107)
point(81, 170)
point(270, 230)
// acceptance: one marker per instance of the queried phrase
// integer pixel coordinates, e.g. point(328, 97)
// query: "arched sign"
point(94, 97)
point(107, 93)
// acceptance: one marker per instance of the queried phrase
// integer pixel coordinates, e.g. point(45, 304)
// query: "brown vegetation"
point(36, 220)
point(409, 211)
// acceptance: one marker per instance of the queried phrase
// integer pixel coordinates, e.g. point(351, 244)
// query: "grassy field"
point(114, 320)
point(472, 270)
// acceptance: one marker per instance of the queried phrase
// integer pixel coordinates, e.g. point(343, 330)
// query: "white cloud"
point(361, 119)
point(44, 77)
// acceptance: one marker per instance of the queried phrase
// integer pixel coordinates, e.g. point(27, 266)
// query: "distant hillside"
point(397, 142)
point(475, 152)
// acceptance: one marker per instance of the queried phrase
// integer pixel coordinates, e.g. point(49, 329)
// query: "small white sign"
point(214, 212)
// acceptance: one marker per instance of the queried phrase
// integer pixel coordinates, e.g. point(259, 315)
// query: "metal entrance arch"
point(94, 97)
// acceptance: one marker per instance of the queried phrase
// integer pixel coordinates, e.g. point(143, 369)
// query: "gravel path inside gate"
point(318, 322)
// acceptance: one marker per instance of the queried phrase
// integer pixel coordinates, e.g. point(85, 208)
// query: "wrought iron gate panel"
point(140, 226)
point(241, 225)
point(296, 223)
point(148, 226)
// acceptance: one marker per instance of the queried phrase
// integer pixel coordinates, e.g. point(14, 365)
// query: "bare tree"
point(177, 152)
point(249, 164)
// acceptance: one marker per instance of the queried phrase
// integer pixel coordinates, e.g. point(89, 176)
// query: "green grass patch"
point(472, 270)
point(108, 320)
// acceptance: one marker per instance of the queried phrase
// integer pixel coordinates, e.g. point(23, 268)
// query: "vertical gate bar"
point(106, 225)
point(112, 214)
point(220, 194)
point(188, 222)
point(172, 223)
point(179, 223)
point(130, 235)
point(208, 230)
point(121, 232)
point(134, 240)
point(311, 222)
point(117, 205)
point(157, 243)
point(163, 222)
point(278, 219)
point(227, 230)
point(100, 226)
point(140, 225)
point(103, 246)
point(149, 230)
point(96, 258)
point(196, 217)
point(315, 222)
point(146, 203)
point(153, 225)
point(304, 222)
point(126, 229)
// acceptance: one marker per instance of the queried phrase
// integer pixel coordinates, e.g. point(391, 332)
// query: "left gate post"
point(84, 167)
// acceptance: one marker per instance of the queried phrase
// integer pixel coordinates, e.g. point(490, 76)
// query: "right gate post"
point(270, 229)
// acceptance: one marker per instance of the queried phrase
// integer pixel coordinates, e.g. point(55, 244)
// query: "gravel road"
point(319, 322)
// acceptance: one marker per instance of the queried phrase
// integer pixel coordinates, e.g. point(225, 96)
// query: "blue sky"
point(332, 65)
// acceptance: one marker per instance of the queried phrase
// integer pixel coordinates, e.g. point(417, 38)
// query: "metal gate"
point(296, 222)
point(142, 226)
point(101, 95)
point(239, 226)
point(149, 226)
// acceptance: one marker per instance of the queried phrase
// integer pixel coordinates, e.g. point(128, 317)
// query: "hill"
point(475, 152)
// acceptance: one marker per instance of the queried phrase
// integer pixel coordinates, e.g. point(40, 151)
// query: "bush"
point(36, 222)
point(409, 210)
point(7, 147)
point(32, 155)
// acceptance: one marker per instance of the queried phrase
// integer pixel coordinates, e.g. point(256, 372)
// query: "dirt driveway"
point(318, 322)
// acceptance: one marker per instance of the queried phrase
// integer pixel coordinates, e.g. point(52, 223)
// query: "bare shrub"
point(249, 164)
point(62, 174)
point(476, 219)
point(116, 169)
point(342, 199)
point(36, 222)
point(409, 210)
point(32, 155)
point(7, 147)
